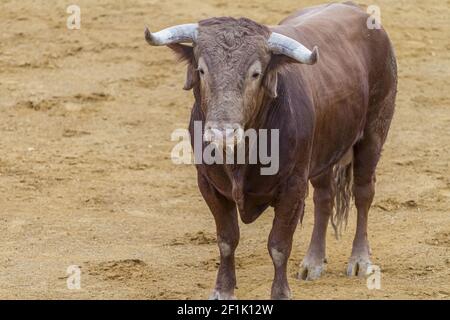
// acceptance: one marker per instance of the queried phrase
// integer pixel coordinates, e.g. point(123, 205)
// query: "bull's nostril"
point(213, 135)
point(206, 136)
point(223, 134)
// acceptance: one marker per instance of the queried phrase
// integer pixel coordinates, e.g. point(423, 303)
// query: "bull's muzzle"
point(223, 135)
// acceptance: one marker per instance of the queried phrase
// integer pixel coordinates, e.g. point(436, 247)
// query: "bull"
point(333, 114)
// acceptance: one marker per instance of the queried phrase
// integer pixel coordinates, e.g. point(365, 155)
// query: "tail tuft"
point(343, 182)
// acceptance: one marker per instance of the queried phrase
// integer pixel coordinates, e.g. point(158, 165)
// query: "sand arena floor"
point(86, 176)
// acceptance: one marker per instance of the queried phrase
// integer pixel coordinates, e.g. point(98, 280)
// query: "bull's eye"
point(202, 72)
point(256, 75)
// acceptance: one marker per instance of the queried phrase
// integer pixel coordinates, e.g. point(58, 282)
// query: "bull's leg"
point(313, 264)
point(287, 214)
point(227, 239)
point(227, 227)
point(366, 155)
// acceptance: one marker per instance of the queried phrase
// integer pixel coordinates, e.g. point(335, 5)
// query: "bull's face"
point(230, 59)
point(231, 68)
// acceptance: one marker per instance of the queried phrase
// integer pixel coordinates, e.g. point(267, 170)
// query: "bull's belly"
point(330, 148)
point(340, 155)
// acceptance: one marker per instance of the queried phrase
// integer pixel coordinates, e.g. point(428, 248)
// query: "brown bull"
point(333, 114)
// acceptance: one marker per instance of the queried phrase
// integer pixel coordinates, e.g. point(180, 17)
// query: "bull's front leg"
point(227, 227)
point(289, 209)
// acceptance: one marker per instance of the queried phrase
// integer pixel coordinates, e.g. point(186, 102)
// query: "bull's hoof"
point(281, 294)
point(281, 297)
point(359, 266)
point(216, 295)
point(311, 271)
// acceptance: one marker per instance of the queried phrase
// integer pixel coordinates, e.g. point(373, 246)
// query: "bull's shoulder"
point(327, 12)
point(340, 32)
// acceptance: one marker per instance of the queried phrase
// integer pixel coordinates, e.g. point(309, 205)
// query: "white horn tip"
point(314, 55)
point(149, 37)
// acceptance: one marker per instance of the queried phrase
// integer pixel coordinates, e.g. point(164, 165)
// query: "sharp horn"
point(281, 44)
point(186, 33)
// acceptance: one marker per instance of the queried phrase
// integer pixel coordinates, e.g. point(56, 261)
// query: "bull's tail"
point(343, 182)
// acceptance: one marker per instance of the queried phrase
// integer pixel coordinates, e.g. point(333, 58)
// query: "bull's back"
point(351, 64)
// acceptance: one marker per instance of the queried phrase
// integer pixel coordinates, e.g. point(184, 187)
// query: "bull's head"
point(233, 66)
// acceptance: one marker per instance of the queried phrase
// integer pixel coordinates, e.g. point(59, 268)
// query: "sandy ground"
point(86, 177)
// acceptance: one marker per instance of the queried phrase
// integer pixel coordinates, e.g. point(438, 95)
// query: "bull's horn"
point(280, 44)
point(181, 33)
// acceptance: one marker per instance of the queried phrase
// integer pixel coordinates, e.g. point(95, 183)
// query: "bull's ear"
point(183, 52)
point(186, 53)
point(271, 79)
point(191, 77)
point(271, 82)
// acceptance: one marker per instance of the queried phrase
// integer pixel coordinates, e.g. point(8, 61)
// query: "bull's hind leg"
point(365, 161)
point(225, 216)
point(367, 153)
point(314, 263)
